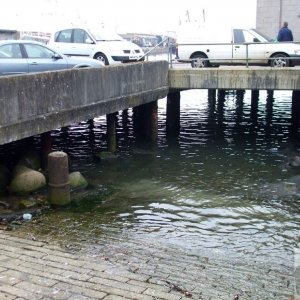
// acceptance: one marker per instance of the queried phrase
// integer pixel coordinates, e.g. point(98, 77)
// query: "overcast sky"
point(155, 16)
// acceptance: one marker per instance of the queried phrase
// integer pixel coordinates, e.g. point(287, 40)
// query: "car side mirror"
point(256, 40)
point(88, 41)
point(56, 56)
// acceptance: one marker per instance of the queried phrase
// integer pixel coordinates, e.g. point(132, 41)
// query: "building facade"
point(270, 14)
point(7, 34)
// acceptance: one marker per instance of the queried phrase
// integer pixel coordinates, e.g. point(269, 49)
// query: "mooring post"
point(111, 121)
point(58, 185)
point(173, 113)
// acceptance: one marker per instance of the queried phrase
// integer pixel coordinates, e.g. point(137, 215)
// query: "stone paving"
point(32, 269)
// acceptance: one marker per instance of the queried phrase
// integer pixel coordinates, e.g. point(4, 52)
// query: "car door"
point(219, 46)
point(82, 43)
point(41, 59)
point(11, 60)
point(247, 45)
point(63, 41)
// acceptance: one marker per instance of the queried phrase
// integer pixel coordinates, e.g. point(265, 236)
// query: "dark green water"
point(224, 186)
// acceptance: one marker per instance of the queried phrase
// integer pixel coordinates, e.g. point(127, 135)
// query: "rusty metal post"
point(111, 132)
point(58, 185)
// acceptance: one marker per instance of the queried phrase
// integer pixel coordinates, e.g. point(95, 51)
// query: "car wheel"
point(102, 58)
point(199, 61)
point(280, 61)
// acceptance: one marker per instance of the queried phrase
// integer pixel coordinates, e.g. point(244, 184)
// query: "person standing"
point(285, 34)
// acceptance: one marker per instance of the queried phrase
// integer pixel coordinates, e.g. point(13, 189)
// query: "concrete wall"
point(236, 78)
point(270, 14)
point(36, 103)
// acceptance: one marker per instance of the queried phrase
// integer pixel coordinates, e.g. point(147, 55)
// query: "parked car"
point(21, 56)
point(103, 45)
point(235, 47)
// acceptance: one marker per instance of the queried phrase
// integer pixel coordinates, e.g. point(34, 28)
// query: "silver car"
point(21, 56)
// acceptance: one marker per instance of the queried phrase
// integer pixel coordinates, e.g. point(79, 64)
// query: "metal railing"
point(154, 48)
point(165, 47)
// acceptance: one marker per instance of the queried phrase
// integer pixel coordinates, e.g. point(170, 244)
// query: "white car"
point(235, 47)
point(106, 46)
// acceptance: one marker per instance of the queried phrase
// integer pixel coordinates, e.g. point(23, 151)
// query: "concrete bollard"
point(58, 185)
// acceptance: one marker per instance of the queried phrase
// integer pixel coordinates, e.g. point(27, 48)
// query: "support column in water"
point(46, 147)
point(295, 110)
point(254, 95)
point(58, 185)
point(173, 114)
point(211, 94)
point(151, 121)
point(111, 121)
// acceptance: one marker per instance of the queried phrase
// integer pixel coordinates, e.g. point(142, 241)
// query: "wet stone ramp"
point(129, 269)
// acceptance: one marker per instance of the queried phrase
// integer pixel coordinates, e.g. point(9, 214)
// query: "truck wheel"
point(279, 61)
point(100, 56)
point(199, 61)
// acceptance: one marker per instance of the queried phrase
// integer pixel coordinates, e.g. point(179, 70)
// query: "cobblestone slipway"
point(32, 269)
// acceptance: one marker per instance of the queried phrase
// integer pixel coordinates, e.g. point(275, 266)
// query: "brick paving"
point(32, 269)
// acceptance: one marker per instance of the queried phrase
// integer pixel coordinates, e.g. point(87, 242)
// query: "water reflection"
point(222, 184)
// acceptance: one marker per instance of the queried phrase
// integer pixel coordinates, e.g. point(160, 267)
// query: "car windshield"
point(262, 36)
point(105, 35)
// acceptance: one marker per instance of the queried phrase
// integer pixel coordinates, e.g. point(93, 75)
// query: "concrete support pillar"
point(136, 118)
point(173, 114)
point(254, 108)
point(211, 94)
point(221, 95)
point(46, 147)
point(90, 122)
point(269, 108)
point(240, 95)
point(150, 121)
point(111, 121)
point(254, 95)
point(270, 93)
point(58, 186)
point(220, 106)
point(295, 110)
point(145, 121)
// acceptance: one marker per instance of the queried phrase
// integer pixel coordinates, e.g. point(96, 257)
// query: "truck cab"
point(235, 47)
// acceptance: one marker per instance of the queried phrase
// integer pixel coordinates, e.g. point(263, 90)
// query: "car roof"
point(3, 42)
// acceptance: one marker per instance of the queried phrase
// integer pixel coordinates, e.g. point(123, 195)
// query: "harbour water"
point(224, 184)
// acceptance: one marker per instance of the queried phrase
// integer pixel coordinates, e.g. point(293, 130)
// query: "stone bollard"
point(58, 185)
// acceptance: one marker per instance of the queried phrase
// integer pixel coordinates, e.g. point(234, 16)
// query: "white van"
point(235, 47)
point(106, 46)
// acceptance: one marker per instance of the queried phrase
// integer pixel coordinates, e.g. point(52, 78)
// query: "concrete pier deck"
point(32, 269)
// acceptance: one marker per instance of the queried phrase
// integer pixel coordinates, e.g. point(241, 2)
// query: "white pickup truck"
point(236, 47)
